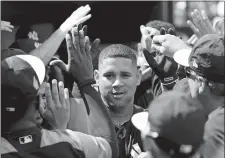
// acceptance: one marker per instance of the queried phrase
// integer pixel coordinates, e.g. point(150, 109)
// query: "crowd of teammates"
point(162, 98)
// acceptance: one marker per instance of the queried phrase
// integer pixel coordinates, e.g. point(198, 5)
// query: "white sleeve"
point(91, 146)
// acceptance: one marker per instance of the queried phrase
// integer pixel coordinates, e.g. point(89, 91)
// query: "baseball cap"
point(174, 116)
point(206, 58)
point(21, 78)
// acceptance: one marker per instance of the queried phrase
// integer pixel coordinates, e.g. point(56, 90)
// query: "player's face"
point(117, 79)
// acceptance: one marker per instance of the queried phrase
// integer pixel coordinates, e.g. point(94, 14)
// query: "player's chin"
point(120, 102)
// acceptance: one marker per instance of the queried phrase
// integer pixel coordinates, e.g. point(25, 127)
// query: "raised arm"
point(50, 46)
point(81, 67)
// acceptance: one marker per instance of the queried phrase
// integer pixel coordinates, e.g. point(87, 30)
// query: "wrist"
point(169, 79)
point(85, 83)
point(64, 28)
point(169, 85)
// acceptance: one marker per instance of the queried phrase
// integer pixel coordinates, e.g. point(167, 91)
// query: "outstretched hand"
point(57, 112)
point(168, 44)
point(163, 66)
point(77, 17)
point(200, 23)
point(79, 58)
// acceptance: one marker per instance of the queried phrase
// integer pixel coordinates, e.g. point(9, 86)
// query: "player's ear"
point(202, 85)
point(96, 76)
point(139, 75)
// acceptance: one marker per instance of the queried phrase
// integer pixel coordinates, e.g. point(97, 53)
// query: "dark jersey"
point(41, 143)
point(128, 137)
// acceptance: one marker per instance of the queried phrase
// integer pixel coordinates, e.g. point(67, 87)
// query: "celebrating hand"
point(168, 44)
point(79, 58)
point(77, 17)
point(6, 26)
point(163, 66)
point(147, 34)
point(200, 24)
point(57, 113)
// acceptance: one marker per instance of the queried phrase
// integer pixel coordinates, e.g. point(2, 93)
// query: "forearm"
point(100, 122)
point(48, 49)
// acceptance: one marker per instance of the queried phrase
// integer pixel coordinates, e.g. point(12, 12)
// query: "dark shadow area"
point(112, 22)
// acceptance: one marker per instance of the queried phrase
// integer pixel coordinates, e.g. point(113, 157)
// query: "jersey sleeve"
point(90, 145)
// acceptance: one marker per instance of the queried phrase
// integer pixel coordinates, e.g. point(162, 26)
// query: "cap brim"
point(140, 120)
point(182, 57)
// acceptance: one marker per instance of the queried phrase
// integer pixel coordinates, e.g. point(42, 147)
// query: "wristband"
point(169, 85)
point(86, 82)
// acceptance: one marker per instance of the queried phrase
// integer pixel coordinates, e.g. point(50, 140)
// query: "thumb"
point(59, 63)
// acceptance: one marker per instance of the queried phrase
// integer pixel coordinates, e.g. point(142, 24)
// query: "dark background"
point(112, 22)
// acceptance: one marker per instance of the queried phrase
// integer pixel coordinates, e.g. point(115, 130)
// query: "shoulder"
point(90, 145)
point(214, 133)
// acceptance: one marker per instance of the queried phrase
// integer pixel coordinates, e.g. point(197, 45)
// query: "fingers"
point(193, 27)
point(144, 30)
point(80, 12)
point(158, 39)
point(205, 17)
point(171, 31)
point(6, 26)
point(95, 45)
point(77, 17)
point(48, 95)
point(83, 19)
point(61, 93)
point(55, 93)
point(199, 18)
point(158, 48)
point(190, 39)
point(82, 41)
point(76, 41)
point(196, 19)
point(87, 44)
point(162, 31)
point(66, 96)
point(70, 46)
point(95, 48)
point(194, 40)
point(85, 30)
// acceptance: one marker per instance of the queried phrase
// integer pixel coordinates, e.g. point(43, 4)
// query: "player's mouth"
point(118, 95)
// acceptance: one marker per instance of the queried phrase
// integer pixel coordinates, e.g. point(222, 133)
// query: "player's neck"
point(122, 115)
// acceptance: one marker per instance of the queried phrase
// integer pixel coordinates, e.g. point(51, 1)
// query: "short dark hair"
point(117, 51)
point(157, 24)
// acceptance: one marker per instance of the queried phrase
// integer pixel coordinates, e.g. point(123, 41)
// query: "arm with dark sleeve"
point(100, 123)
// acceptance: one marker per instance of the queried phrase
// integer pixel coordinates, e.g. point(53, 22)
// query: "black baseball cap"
point(206, 58)
point(21, 77)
